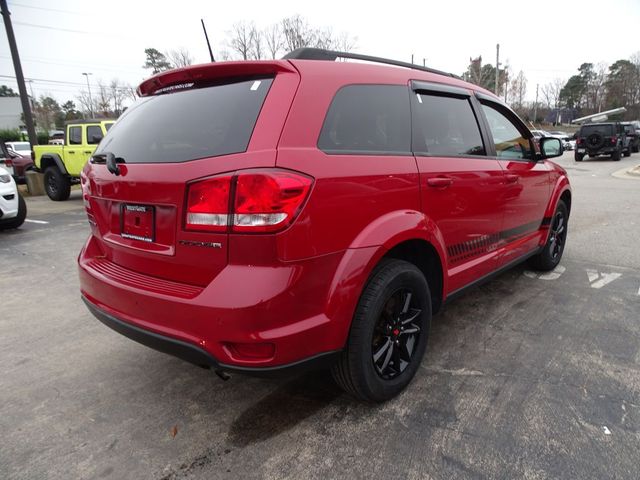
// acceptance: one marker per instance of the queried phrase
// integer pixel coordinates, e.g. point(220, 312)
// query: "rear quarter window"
point(196, 122)
point(368, 119)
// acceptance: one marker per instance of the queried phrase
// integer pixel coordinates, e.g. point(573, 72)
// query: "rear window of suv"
point(604, 130)
point(196, 122)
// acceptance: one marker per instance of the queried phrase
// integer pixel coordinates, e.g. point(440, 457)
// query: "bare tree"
point(87, 103)
point(273, 39)
point(241, 39)
point(517, 91)
point(551, 92)
point(596, 88)
point(295, 31)
point(103, 99)
point(118, 94)
point(257, 45)
point(224, 55)
point(344, 42)
point(179, 57)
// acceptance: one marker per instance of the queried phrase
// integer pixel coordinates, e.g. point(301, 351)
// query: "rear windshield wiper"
point(110, 159)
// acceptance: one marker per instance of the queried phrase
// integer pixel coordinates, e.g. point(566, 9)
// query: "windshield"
point(188, 124)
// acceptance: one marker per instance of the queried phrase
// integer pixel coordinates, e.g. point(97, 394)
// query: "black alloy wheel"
point(396, 334)
point(389, 333)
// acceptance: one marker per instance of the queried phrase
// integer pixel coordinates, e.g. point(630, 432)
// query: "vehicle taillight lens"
point(266, 201)
point(613, 139)
point(208, 204)
point(8, 162)
point(579, 141)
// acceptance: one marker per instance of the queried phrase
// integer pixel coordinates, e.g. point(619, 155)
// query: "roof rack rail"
point(309, 53)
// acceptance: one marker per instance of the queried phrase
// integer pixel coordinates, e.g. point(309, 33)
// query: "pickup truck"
point(62, 164)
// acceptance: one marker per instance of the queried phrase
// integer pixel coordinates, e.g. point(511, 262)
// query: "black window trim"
point(368, 153)
point(482, 99)
point(441, 90)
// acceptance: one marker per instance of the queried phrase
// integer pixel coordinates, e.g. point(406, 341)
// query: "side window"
point(94, 134)
point(445, 126)
point(371, 119)
point(75, 135)
point(509, 141)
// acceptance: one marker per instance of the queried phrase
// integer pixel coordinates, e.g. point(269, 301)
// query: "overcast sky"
point(58, 40)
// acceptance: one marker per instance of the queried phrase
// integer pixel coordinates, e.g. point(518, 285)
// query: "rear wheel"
point(56, 184)
point(18, 220)
point(551, 254)
point(388, 335)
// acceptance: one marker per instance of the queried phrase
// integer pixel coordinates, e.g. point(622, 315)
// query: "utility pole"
point(535, 105)
point(22, 89)
point(86, 74)
point(497, 68)
point(207, 39)
point(412, 58)
point(424, 62)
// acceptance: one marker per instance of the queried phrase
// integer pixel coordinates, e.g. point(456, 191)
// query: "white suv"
point(13, 208)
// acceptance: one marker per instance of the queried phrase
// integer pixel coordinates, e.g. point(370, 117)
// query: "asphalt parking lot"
point(528, 376)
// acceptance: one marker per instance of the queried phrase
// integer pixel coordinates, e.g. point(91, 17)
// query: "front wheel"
point(550, 256)
point(388, 335)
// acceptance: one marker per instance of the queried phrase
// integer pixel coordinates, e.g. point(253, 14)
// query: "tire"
point(578, 157)
point(635, 148)
point(18, 220)
point(551, 254)
point(627, 152)
point(615, 156)
point(391, 321)
point(56, 184)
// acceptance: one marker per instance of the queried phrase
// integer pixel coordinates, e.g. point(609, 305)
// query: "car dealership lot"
point(527, 376)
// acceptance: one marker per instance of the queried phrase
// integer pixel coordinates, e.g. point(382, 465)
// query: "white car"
point(13, 208)
point(22, 148)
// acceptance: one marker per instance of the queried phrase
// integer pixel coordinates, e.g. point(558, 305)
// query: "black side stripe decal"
point(487, 243)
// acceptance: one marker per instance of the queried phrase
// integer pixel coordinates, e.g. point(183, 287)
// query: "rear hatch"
point(190, 124)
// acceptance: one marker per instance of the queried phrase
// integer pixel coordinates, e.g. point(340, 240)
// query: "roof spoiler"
point(210, 71)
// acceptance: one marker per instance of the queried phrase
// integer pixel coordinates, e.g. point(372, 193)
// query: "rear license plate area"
point(137, 222)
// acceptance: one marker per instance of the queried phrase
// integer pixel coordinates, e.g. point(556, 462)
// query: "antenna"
point(207, 38)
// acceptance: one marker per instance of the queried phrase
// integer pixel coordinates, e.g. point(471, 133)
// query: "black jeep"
point(597, 139)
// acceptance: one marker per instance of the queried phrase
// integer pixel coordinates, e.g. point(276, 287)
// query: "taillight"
point(8, 162)
point(613, 139)
point(263, 201)
point(208, 204)
point(579, 141)
point(268, 200)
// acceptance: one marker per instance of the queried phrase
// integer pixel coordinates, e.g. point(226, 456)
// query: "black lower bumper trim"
point(197, 356)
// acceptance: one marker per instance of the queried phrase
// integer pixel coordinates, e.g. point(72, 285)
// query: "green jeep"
point(62, 164)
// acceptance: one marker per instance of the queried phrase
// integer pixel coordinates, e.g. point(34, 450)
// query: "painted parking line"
point(42, 222)
point(600, 279)
point(552, 275)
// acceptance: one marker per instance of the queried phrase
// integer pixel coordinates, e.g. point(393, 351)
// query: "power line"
point(13, 4)
point(61, 82)
point(71, 30)
point(93, 66)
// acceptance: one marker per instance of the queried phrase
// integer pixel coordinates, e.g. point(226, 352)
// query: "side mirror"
point(550, 147)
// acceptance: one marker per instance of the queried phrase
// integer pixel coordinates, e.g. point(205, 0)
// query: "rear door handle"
point(87, 151)
point(512, 178)
point(439, 182)
point(71, 151)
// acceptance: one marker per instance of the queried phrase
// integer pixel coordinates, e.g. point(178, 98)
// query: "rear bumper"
point(284, 305)
point(197, 356)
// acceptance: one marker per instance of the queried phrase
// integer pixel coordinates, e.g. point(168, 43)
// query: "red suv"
point(266, 216)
